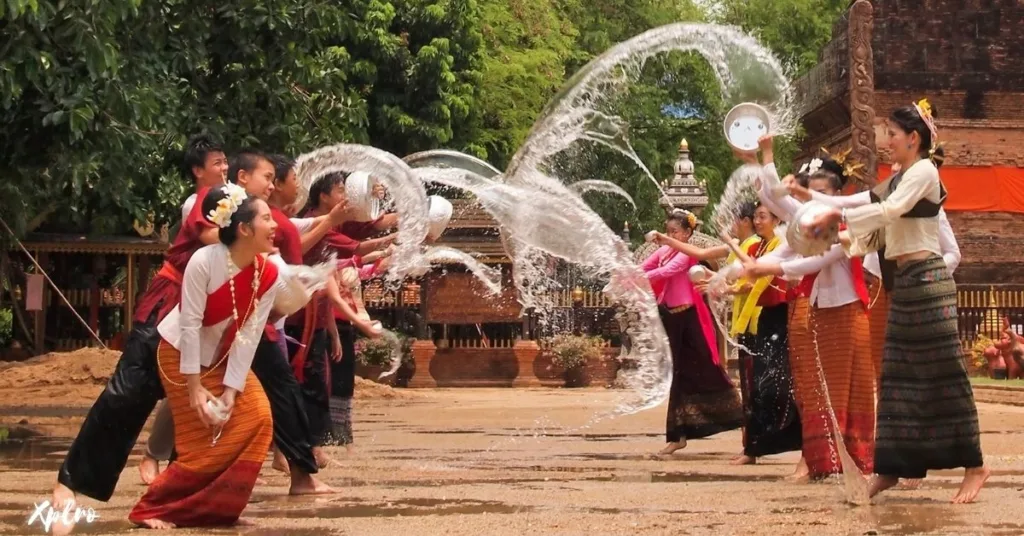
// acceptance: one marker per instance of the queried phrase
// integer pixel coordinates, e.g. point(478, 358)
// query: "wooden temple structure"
point(967, 59)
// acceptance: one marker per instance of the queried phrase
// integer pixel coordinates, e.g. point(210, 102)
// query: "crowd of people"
point(865, 332)
point(251, 356)
point(249, 349)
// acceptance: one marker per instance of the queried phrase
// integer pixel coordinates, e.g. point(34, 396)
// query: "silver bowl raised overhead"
point(745, 124)
point(800, 240)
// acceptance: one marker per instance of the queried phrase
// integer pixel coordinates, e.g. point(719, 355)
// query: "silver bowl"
point(699, 273)
point(745, 124)
point(801, 241)
point(359, 191)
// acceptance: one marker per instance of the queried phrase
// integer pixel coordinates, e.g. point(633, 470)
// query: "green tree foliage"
point(97, 98)
point(795, 30)
point(527, 43)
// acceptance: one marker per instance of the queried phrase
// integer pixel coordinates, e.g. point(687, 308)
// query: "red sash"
point(170, 273)
point(310, 319)
point(219, 306)
point(803, 289)
point(857, 269)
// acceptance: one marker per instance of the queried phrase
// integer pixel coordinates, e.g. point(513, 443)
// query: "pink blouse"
point(667, 270)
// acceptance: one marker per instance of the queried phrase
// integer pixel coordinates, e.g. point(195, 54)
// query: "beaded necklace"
point(253, 304)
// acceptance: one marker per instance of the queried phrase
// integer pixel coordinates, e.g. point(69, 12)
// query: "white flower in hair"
point(235, 196)
point(815, 166)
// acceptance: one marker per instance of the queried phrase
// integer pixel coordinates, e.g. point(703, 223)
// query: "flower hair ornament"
point(924, 109)
point(691, 218)
point(234, 197)
point(850, 169)
point(812, 167)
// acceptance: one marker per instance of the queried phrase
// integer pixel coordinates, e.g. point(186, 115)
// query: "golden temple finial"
point(684, 145)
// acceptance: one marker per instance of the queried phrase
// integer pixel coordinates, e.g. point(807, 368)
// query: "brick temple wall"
point(967, 58)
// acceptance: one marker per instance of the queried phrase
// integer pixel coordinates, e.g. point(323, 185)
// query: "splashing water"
point(582, 187)
point(573, 232)
point(410, 258)
point(396, 353)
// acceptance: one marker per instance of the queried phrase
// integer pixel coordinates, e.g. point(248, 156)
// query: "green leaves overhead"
point(97, 98)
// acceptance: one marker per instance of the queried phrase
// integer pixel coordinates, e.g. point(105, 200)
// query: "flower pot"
point(577, 377)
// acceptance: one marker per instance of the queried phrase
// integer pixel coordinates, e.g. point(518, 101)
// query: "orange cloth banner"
point(979, 189)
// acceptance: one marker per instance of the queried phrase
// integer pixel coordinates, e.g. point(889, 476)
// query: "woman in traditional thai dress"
point(772, 421)
point(836, 324)
point(880, 282)
point(702, 400)
point(927, 419)
point(222, 419)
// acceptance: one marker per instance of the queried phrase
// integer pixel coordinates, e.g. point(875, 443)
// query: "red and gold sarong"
point(844, 351)
point(208, 485)
point(878, 317)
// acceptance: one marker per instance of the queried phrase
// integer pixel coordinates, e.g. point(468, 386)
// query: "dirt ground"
point(505, 461)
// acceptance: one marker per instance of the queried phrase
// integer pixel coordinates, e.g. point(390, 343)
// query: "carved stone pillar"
point(862, 89)
point(422, 354)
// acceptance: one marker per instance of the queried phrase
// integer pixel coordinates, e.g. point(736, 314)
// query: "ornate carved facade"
point(967, 58)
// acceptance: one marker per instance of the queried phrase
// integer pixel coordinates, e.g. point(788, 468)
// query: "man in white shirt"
point(206, 164)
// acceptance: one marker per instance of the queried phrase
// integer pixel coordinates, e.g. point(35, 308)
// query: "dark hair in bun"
point(831, 171)
point(245, 213)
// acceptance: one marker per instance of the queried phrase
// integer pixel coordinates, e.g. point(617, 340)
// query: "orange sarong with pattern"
point(208, 485)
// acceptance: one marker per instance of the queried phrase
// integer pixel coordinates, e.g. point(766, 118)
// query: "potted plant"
point(571, 352)
point(373, 357)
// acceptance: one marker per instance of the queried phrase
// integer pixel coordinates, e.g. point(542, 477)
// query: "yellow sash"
point(739, 299)
point(747, 322)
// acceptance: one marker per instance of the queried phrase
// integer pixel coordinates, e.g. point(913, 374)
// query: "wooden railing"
point(480, 343)
point(981, 311)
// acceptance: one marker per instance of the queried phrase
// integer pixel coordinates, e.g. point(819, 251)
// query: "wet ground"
point(503, 461)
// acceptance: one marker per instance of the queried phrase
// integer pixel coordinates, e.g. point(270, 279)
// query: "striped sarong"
point(840, 342)
point(927, 419)
point(208, 485)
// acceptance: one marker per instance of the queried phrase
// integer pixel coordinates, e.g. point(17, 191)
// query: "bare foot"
point(672, 447)
point(881, 483)
point(802, 473)
point(744, 460)
point(260, 482)
point(911, 483)
point(62, 495)
point(156, 524)
point(280, 462)
point(974, 479)
point(322, 459)
point(305, 484)
point(149, 469)
point(243, 522)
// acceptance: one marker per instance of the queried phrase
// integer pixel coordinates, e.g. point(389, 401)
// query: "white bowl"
point(801, 241)
point(745, 124)
point(359, 191)
point(699, 273)
point(439, 214)
point(650, 236)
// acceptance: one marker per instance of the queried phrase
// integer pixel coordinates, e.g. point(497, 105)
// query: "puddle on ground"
point(44, 411)
point(36, 454)
point(915, 518)
point(444, 432)
point(404, 508)
point(722, 456)
point(98, 526)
